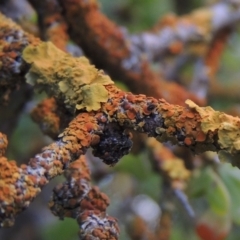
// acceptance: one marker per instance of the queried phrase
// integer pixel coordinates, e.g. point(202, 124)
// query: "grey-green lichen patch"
point(227, 127)
point(80, 84)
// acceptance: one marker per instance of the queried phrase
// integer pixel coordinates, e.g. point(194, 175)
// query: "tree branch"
point(174, 35)
point(121, 59)
point(103, 112)
point(51, 23)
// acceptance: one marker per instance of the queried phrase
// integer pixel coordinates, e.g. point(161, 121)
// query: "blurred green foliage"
point(136, 15)
point(62, 230)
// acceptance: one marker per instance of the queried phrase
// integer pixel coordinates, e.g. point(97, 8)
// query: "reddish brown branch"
point(51, 117)
point(101, 123)
point(138, 230)
point(77, 199)
point(165, 226)
point(19, 186)
point(106, 45)
point(51, 23)
point(216, 48)
point(12, 41)
point(156, 118)
point(3, 144)
point(191, 33)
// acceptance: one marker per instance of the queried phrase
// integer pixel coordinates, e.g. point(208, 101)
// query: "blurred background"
point(149, 203)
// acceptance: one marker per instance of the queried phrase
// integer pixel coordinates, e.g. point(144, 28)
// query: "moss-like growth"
point(228, 127)
point(80, 84)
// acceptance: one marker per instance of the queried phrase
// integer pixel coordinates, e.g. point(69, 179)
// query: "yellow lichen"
point(92, 95)
point(228, 127)
point(80, 84)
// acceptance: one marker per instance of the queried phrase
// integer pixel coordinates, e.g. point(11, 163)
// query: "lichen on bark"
point(74, 80)
point(228, 127)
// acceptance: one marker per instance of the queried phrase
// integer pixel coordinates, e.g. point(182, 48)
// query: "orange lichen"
point(119, 58)
point(201, 136)
point(95, 200)
point(226, 126)
point(216, 48)
point(17, 190)
point(101, 124)
point(11, 65)
point(45, 114)
point(77, 199)
point(19, 186)
point(176, 47)
point(188, 141)
point(51, 23)
point(131, 114)
point(131, 98)
point(97, 225)
point(3, 144)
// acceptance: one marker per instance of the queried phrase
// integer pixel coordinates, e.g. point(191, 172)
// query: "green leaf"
point(231, 177)
point(199, 182)
point(140, 168)
point(135, 165)
point(61, 230)
point(218, 195)
point(207, 183)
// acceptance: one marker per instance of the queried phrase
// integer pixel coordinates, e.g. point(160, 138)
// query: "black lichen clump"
point(114, 144)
